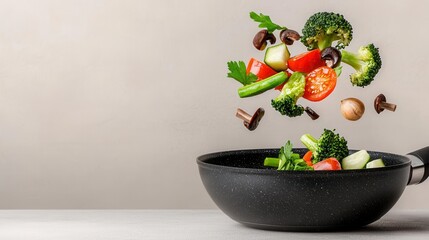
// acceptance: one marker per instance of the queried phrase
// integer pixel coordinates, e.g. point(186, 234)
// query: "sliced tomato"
point(328, 164)
point(260, 69)
point(307, 158)
point(320, 83)
point(306, 62)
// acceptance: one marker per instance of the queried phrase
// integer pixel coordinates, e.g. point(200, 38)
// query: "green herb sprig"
point(237, 71)
point(287, 160)
point(265, 22)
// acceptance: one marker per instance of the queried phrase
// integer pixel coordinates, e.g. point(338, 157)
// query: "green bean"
point(262, 85)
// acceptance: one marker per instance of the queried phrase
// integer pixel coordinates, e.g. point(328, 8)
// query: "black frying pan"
point(266, 198)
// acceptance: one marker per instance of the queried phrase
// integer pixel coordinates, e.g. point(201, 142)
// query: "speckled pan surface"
point(266, 198)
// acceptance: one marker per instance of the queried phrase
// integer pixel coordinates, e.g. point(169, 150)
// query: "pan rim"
point(201, 161)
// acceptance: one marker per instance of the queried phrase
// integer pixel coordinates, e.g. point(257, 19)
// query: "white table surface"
point(183, 224)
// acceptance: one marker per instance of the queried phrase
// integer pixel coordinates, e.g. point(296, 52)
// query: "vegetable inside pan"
point(265, 198)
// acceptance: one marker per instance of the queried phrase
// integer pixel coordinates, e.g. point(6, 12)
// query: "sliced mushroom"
point(311, 113)
point(288, 36)
point(332, 57)
point(249, 121)
point(261, 38)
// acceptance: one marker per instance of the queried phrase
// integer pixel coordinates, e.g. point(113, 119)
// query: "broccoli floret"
point(323, 28)
point(330, 144)
point(366, 62)
point(293, 89)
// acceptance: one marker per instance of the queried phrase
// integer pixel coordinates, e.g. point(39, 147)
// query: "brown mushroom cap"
point(378, 101)
point(288, 36)
point(261, 38)
point(254, 121)
point(331, 56)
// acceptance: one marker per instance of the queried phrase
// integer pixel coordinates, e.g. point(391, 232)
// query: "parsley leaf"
point(237, 71)
point(265, 22)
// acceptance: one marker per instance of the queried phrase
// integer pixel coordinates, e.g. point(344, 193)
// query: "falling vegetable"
point(237, 71)
point(352, 109)
point(306, 62)
point(261, 38)
point(310, 112)
point(265, 22)
point(251, 122)
point(324, 28)
point(288, 36)
point(320, 83)
point(285, 102)
point(262, 86)
point(312, 74)
point(260, 69)
point(366, 62)
point(380, 104)
point(277, 57)
point(331, 56)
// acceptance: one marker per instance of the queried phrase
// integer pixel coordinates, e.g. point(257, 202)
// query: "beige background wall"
point(106, 104)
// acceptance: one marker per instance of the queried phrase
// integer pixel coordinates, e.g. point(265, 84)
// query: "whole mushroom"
point(380, 104)
point(251, 122)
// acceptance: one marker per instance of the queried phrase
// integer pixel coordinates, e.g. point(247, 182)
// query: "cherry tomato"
point(328, 164)
point(307, 158)
point(260, 69)
point(320, 83)
point(306, 62)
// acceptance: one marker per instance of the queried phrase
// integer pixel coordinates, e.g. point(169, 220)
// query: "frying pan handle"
point(419, 165)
